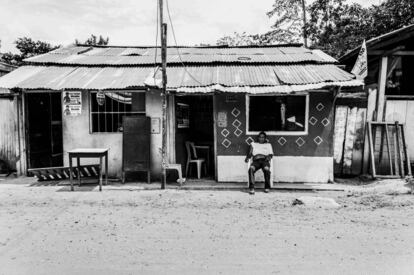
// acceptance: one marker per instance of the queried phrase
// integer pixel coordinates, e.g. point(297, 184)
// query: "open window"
point(399, 76)
point(277, 114)
point(107, 109)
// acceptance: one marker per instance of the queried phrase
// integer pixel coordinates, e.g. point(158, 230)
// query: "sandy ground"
point(48, 230)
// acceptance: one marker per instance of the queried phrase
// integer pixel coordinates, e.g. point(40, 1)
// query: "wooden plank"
point(397, 131)
point(339, 137)
point(394, 148)
point(371, 149)
point(387, 176)
point(381, 87)
point(409, 128)
point(372, 99)
point(358, 149)
point(407, 156)
point(387, 135)
point(349, 140)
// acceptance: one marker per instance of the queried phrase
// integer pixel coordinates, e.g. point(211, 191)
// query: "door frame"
point(26, 122)
point(172, 128)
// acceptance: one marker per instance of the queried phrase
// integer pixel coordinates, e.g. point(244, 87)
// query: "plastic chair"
point(192, 158)
point(271, 172)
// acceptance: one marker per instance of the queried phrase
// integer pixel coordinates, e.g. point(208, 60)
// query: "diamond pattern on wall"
point(325, 122)
point(235, 112)
point(300, 142)
point(313, 121)
point(236, 123)
point(282, 141)
point(226, 143)
point(318, 140)
point(320, 107)
point(249, 140)
point(225, 132)
point(238, 132)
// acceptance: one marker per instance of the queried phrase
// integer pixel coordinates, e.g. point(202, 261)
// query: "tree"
point(287, 27)
point(337, 27)
point(28, 48)
point(237, 39)
point(94, 40)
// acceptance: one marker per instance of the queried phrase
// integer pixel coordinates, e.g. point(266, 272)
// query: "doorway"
point(195, 123)
point(44, 130)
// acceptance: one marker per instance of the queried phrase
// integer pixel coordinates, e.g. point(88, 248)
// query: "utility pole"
point(305, 36)
point(163, 27)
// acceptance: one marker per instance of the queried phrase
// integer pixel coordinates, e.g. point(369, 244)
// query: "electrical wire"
point(156, 41)
point(178, 51)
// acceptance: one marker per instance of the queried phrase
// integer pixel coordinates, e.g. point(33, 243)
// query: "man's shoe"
point(266, 190)
point(251, 192)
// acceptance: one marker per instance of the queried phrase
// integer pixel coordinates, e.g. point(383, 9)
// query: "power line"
point(178, 51)
point(156, 43)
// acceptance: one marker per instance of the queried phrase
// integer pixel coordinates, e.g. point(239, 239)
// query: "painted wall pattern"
point(232, 140)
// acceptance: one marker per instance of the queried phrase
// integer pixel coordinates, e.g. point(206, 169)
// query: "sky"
point(131, 22)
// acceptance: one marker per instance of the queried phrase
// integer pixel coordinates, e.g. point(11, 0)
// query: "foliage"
point(288, 22)
point(94, 40)
point(335, 26)
point(28, 48)
point(287, 27)
point(237, 39)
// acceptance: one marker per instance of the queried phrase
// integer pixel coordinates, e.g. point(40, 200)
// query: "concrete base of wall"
point(285, 169)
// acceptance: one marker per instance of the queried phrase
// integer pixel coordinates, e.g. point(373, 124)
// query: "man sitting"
point(262, 153)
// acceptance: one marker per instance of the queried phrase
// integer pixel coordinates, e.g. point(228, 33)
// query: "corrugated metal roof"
point(57, 78)
point(283, 89)
point(118, 56)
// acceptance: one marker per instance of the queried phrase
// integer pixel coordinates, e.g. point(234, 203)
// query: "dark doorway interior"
point(195, 123)
point(44, 130)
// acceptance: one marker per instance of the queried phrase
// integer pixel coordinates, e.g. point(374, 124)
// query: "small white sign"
point(155, 125)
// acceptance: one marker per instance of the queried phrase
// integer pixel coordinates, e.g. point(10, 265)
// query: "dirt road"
point(48, 230)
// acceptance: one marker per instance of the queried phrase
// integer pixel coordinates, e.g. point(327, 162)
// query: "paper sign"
point(222, 119)
point(72, 103)
point(155, 125)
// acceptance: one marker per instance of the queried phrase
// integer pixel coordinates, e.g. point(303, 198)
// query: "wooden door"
point(136, 143)
point(44, 130)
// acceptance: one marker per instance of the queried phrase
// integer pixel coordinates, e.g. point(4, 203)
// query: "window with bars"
point(107, 109)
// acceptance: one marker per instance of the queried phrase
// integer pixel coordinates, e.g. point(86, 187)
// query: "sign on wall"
point(222, 119)
point(72, 103)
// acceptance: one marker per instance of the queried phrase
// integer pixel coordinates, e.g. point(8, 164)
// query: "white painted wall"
point(285, 169)
point(76, 134)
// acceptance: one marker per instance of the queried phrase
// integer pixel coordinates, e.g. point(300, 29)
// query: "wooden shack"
point(389, 85)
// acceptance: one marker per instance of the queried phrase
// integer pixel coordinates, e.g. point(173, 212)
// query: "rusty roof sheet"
point(128, 56)
point(101, 78)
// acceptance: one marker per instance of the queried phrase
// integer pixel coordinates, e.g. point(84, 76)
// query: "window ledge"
point(279, 133)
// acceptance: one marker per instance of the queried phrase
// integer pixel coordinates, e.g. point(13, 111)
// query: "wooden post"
point(371, 149)
point(397, 132)
point(387, 135)
point(407, 156)
point(381, 88)
point(372, 98)
point(164, 95)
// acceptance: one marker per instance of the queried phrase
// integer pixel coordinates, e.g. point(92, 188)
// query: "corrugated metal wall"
point(8, 131)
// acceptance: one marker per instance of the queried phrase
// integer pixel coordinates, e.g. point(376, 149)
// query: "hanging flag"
point(360, 69)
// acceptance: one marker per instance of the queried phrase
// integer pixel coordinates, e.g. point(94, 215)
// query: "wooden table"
point(89, 153)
